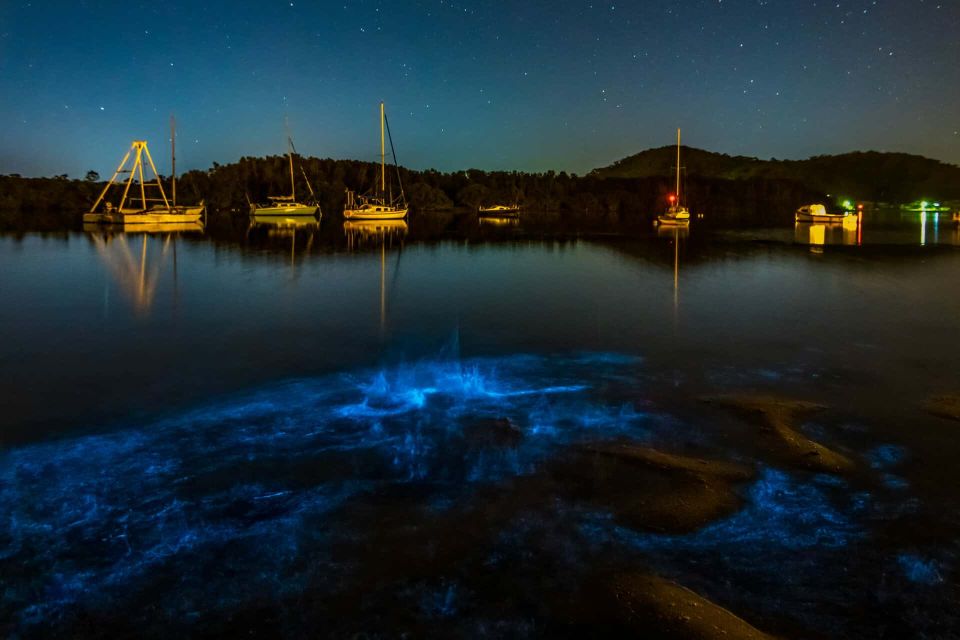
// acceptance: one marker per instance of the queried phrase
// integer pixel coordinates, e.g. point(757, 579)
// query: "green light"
point(847, 204)
point(923, 204)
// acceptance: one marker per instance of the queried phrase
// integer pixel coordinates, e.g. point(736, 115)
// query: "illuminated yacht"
point(287, 206)
point(499, 211)
point(818, 213)
point(380, 205)
point(676, 214)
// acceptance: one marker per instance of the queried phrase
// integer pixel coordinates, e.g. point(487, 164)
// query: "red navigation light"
point(671, 197)
point(860, 206)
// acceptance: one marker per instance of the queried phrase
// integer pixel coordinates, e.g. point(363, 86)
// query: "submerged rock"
point(778, 417)
point(655, 607)
point(945, 406)
point(672, 462)
point(650, 490)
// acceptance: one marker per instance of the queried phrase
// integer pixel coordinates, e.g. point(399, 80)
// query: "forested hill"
point(870, 175)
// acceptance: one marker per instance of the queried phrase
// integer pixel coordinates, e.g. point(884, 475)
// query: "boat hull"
point(174, 215)
point(822, 218)
point(366, 214)
point(372, 227)
point(286, 211)
point(499, 212)
point(673, 221)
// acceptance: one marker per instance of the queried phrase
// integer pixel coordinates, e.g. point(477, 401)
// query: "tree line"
point(228, 189)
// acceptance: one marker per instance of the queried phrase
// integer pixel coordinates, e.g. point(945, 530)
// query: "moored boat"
point(286, 206)
point(818, 213)
point(676, 214)
point(281, 207)
point(380, 205)
point(499, 211)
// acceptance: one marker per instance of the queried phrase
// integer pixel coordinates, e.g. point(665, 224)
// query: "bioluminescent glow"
point(285, 490)
point(920, 570)
point(781, 512)
point(86, 518)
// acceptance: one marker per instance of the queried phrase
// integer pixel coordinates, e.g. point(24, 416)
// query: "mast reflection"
point(286, 227)
point(377, 234)
point(130, 261)
point(675, 233)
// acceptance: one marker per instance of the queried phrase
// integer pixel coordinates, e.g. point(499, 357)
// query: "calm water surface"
point(216, 436)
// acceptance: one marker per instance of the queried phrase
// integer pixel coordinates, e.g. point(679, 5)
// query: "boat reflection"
point(128, 264)
point(274, 226)
point(498, 221)
point(284, 222)
point(673, 231)
point(850, 232)
point(154, 228)
point(373, 233)
point(676, 234)
point(370, 234)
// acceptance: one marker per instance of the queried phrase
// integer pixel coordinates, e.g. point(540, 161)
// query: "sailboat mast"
point(678, 167)
point(293, 191)
point(173, 159)
point(383, 156)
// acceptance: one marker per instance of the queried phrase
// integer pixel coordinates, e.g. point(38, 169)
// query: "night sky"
point(529, 85)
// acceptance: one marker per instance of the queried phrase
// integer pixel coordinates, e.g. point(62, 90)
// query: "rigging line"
point(396, 269)
point(393, 152)
point(302, 170)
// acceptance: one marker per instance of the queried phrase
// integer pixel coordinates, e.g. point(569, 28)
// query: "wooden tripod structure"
point(138, 150)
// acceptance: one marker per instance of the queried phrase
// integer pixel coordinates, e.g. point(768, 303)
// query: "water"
point(365, 431)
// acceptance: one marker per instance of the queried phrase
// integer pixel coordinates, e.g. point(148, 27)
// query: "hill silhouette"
point(863, 175)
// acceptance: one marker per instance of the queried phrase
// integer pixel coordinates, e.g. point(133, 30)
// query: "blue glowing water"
point(920, 570)
point(271, 491)
point(89, 517)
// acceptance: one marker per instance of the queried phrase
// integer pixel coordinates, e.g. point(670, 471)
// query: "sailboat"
point(140, 210)
point(188, 211)
point(380, 205)
point(677, 214)
point(287, 205)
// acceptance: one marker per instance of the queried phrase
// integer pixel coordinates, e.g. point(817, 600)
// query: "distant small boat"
point(499, 211)
point(676, 214)
point(287, 205)
point(818, 213)
point(135, 207)
point(380, 205)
